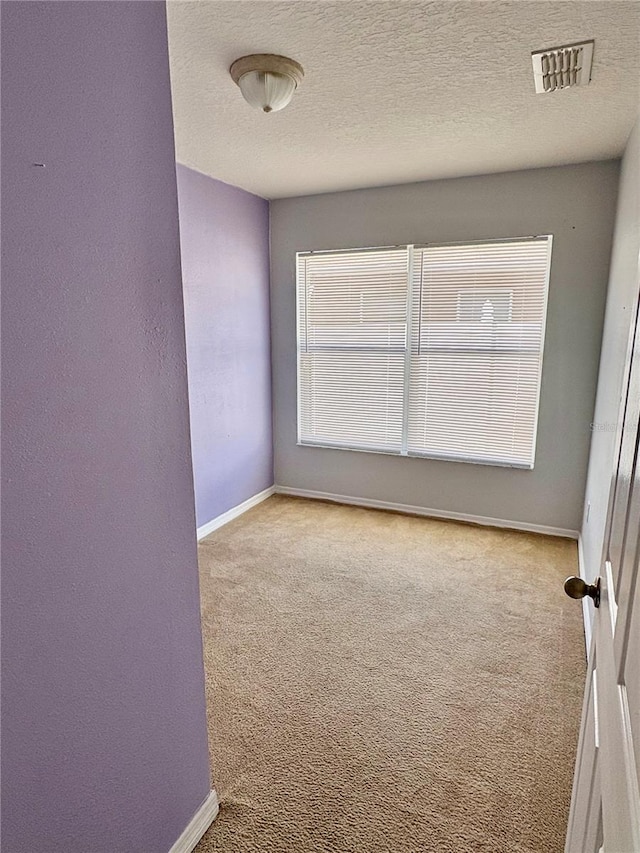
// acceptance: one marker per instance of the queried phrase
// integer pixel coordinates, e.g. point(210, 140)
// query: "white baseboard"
point(587, 617)
point(429, 513)
point(198, 825)
point(234, 512)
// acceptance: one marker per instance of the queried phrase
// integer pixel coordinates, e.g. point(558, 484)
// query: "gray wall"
point(621, 299)
point(574, 203)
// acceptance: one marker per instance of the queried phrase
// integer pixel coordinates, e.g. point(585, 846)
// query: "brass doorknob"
point(577, 588)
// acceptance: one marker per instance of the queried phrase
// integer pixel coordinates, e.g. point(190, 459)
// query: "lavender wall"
point(224, 234)
point(103, 713)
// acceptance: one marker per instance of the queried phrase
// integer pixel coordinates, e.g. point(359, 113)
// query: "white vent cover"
point(562, 67)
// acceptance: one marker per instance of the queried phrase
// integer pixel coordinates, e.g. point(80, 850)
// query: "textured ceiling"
point(397, 91)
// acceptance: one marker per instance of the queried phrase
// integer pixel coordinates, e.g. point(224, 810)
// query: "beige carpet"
point(386, 684)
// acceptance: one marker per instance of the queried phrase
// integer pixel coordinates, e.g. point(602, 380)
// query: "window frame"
point(404, 452)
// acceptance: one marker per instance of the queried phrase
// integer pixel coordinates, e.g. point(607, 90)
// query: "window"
point(429, 351)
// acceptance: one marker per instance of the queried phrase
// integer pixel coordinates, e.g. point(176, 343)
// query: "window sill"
point(436, 457)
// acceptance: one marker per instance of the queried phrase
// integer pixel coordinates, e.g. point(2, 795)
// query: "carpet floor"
point(380, 683)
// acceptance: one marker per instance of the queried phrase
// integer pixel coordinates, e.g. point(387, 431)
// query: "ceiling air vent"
point(562, 67)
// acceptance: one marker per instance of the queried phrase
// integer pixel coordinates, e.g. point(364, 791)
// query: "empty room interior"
point(320, 426)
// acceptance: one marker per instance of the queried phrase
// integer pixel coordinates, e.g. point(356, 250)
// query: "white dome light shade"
point(267, 91)
point(267, 81)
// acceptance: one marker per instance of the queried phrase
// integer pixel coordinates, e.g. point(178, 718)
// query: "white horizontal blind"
point(352, 337)
point(432, 351)
point(477, 335)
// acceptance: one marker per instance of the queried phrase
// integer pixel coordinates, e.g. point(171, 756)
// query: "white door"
point(605, 806)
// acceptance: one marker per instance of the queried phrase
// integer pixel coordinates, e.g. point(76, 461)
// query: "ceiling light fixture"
point(267, 81)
